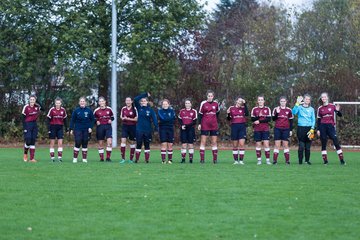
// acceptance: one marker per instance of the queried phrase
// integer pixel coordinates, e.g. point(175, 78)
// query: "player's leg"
point(285, 136)
point(203, 139)
point(139, 142)
point(241, 151)
point(34, 134)
point(183, 151)
point(101, 150)
point(191, 138)
point(60, 149)
point(27, 140)
point(334, 138)
point(235, 142)
point(132, 141)
point(163, 147)
point(108, 136)
point(60, 137)
point(170, 141)
point(100, 138)
point(214, 146)
point(267, 151)
point(277, 138)
point(147, 140)
point(285, 144)
point(78, 140)
point(52, 149)
point(170, 151)
point(301, 140)
point(84, 144)
point(258, 144)
point(276, 151)
point(124, 136)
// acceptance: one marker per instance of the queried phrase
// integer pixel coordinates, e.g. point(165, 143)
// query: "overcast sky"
point(290, 3)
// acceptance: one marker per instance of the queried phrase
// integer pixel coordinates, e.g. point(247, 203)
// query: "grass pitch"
point(180, 201)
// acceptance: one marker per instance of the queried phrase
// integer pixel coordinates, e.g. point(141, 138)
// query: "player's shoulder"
point(97, 109)
point(123, 108)
point(109, 108)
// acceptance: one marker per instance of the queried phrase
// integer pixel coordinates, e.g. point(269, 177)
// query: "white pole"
point(113, 73)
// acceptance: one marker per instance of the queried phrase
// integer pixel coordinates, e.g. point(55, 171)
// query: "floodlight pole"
point(113, 73)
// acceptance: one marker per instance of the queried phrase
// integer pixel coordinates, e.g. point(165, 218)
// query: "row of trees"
point(174, 49)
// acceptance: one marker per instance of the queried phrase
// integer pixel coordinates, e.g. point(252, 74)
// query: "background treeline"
point(175, 49)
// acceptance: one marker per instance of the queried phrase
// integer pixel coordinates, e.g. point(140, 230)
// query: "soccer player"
point(146, 117)
point(237, 116)
point(261, 116)
point(166, 130)
point(56, 123)
point(326, 126)
point(208, 113)
point(81, 124)
point(283, 117)
point(31, 112)
point(187, 120)
point(129, 118)
point(104, 116)
point(306, 126)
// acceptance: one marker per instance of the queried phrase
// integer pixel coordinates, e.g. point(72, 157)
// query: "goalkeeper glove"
point(299, 100)
point(311, 134)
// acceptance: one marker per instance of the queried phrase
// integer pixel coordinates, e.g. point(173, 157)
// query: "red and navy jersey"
point(31, 113)
point(283, 118)
point(103, 115)
point(187, 117)
point(326, 114)
point(238, 114)
point(208, 111)
point(57, 116)
point(261, 114)
point(129, 113)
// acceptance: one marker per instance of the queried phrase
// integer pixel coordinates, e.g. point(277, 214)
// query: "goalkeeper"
point(306, 126)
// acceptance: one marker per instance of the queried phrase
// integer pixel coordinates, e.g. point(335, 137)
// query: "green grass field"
point(180, 201)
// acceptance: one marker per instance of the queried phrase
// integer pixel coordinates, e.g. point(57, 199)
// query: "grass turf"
point(180, 201)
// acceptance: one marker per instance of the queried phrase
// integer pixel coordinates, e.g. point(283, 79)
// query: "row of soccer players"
point(138, 117)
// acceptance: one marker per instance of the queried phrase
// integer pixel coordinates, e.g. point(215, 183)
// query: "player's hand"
point(25, 131)
point(183, 127)
point(337, 107)
point(228, 110)
point(97, 123)
point(290, 133)
point(109, 122)
point(311, 134)
point(90, 130)
point(318, 133)
point(243, 100)
point(199, 127)
point(299, 100)
point(49, 131)
point(71, 132)
point(257, 122)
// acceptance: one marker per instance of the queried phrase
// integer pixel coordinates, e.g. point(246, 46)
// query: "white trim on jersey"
point(23, 111)
point(201, 104)
point(48, 115)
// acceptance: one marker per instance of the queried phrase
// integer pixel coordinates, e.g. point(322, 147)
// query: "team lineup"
point(140, 121)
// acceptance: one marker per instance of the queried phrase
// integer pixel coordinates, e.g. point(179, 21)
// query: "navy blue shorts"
point(143, 137)
point(30, 130)
point(327, 130)
point(166, 134)
point(209, 132)
point(56, 132)
point(103, 131)
point(81, 136)
point(128, 131)
point(238, 131)
point(187, 135)
point(261, 136)
point(281, 134)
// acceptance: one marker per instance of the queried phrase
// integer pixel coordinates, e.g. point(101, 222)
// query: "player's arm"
point(275, 115)
point(137, 99)
point(337, 110)
point(246, 110)
point(155, 121)
point(266, 120)
point(72, 120)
